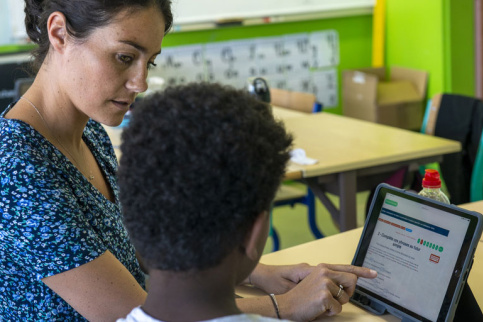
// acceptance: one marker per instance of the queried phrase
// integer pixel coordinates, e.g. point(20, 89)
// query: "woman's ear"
point(257, 236)
point(57, 30)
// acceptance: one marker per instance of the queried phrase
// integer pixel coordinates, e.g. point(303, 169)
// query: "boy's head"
point(200, 165)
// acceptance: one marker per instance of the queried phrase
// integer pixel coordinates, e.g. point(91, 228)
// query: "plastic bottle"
point(432, 186)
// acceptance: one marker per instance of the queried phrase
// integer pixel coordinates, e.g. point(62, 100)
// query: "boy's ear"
point(57, 30)
point(257, 236)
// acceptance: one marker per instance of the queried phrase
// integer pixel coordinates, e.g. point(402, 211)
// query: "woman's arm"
point(101, 290)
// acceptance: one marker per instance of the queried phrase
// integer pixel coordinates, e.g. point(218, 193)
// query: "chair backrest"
point(431, 114)
point(300, 101)
point(21, 86)
point(429, 127)
point(476, 188)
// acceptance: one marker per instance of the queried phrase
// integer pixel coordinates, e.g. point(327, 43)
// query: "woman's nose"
point(137, 81)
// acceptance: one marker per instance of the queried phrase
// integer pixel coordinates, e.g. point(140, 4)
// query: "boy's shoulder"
point(245, 318)
point(138, 315)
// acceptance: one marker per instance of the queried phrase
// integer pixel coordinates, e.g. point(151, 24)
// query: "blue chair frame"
point(308, 200)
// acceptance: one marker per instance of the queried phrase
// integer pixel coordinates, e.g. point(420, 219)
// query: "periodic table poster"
point(305, 62)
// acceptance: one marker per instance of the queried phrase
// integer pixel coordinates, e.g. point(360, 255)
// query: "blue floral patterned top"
point(52, 220)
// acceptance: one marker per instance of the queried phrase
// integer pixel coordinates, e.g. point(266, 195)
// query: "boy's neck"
point(194, 296)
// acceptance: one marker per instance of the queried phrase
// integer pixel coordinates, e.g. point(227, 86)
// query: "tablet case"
point(462, 292)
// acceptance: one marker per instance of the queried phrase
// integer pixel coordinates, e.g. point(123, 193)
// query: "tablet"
point(422, 250)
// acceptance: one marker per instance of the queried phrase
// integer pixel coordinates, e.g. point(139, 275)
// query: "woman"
point(65, 254)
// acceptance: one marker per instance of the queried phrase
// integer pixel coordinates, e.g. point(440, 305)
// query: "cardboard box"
point(397, 101)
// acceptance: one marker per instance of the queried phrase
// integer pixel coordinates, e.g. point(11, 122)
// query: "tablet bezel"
point(365, 298)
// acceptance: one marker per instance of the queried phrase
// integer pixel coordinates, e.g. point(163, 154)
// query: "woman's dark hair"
point(83, 17)
point(199, 163)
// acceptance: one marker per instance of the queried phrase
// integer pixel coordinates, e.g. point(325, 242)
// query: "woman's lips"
point(122, 104)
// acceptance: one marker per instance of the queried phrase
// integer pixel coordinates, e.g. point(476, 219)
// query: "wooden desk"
point(353, 155)
point(293, 172)
point(336, 249)
point(356, 155)
point(115, 136)
point(340, 249)
point(476, 275)
point(285, 113)
point(474, 206)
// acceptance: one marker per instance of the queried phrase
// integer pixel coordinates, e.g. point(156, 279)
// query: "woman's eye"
point(151, 65)
point(124, 59)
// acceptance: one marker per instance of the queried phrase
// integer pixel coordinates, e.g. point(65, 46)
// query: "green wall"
point(461, 62)
point(432, 35)
point(11, 49)
point(355, 38)
point(436, 36)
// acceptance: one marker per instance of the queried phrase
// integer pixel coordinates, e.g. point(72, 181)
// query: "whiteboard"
point(303, 62)
point(199, 11)
point(12, 26)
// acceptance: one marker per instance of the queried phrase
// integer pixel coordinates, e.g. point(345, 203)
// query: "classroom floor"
point(293, 227)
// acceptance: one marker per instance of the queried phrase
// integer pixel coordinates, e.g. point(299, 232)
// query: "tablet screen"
point(418, 249)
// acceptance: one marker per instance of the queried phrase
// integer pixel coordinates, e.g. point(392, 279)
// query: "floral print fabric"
point(52, 220)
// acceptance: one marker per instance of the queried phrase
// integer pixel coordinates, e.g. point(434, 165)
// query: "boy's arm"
point(304, 292)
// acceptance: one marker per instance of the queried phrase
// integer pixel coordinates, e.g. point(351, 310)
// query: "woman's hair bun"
point(33, 13)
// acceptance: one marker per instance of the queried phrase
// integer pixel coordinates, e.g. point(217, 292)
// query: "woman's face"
point(103, 74)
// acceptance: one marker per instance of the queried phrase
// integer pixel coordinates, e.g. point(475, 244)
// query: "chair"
point(395, 179)
point(21, 86)
point(427, 127)
point(459, 118)
point(287, 193)
point(476, 185)
point(299, 101)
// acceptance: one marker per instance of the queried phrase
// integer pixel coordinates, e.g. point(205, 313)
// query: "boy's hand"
point(279, 279)
point(306, 292)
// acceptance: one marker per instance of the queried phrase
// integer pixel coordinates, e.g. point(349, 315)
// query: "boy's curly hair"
point(199, 163)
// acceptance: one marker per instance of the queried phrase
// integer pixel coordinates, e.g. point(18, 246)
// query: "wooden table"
point(474, 206)
point(355, 155)
point(115, 136)
point(285, 113)
point(476, 275)
point(340, 249)
point(293, 171)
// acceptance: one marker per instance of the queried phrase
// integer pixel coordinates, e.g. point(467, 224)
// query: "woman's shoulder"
point(17, 137)
point(13, 129)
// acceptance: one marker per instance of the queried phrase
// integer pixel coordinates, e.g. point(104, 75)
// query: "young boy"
point(200, 166)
